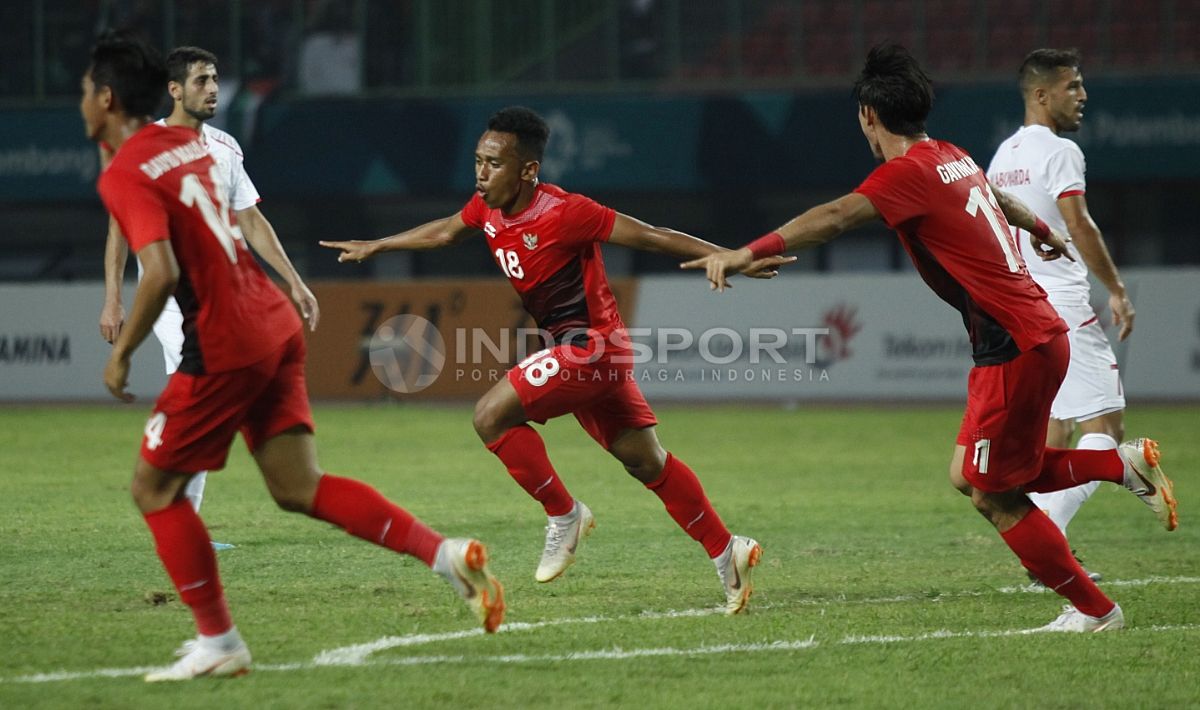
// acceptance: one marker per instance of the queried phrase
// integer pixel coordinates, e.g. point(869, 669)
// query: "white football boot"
point(563, 535)
point(1075, 621)
point(734, 567)
point(207, 657)
point(463, 563)
point(1147, 481)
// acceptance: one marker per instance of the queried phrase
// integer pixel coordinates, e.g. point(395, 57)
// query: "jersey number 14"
point(193, 194)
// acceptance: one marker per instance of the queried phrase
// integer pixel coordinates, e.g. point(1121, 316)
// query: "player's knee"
point(292, 500)
point(486, 421)
point(643, 461)
point(293, 493)
point(958, 480)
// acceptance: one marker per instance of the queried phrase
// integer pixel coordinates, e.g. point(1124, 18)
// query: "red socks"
point(1043, 551)
point(1067, 468)
point(524, 455)
point(185, 549)
point(682, 494)
point(363, 512)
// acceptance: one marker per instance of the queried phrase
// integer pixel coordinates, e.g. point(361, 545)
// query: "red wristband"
point(1041, 230)
point(770, 244)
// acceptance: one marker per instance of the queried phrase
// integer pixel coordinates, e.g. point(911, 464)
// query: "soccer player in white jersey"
point(192, 84)
point(1045, 170)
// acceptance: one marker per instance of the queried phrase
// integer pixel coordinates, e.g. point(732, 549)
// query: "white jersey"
point(1039, 167)
point(227, 154)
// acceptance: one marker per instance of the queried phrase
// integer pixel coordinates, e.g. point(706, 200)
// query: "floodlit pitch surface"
point(879, 587)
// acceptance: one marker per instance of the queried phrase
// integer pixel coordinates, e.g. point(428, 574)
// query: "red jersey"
point(161, 185)
point(939, 202)
point(550, 252)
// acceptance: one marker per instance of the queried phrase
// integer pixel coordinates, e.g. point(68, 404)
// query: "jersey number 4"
point(976, 203)
point(193, 194)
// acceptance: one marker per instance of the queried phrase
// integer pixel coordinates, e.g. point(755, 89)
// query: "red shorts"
point(602, 395)
point(197, 416)
point(1008, 409)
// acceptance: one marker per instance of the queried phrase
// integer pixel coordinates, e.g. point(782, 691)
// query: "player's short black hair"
point(182, 58)
point(892, 83)
point(1042, 64)
point(134, 70)
point(529, 128)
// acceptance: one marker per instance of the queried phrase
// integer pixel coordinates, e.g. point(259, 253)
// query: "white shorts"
point(1093, 383)
point(169, 331)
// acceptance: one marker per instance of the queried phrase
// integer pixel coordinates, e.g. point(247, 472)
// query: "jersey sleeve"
point(243, 193)
point(137, 207)
point(585, 220)
point(897, 191)
point(1065, 172)
point(474, 213)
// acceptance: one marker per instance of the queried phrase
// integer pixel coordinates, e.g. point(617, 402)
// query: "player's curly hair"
point(892, 83)
point(529, 128)
point(182, 58)
point(127, 64)
point(1042, 64)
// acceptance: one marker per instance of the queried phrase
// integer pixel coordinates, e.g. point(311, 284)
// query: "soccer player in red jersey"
point(242, 367)
point(547, 242)
point(955, 227)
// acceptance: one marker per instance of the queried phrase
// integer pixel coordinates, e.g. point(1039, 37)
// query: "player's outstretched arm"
point(261, 237)
point(160, 274)
point(116, 253)
point(1094, 253)
point(633, 233)
point(816, 226)
point(431, 235)
point(1047, 244)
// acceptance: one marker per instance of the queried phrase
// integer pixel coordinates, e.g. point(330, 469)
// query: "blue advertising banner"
point(1134, 130)
point(44, 155)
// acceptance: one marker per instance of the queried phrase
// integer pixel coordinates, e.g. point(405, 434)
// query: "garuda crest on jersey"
point(530, 240)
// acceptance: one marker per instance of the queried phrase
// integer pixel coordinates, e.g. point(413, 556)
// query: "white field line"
point(359, 654)
point(356, 654)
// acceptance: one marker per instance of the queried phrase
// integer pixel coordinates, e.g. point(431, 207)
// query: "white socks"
point(195, 490)
point(1061, 506)
point(227, 642)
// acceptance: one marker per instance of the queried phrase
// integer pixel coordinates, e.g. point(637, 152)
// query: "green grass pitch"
point(879, 587)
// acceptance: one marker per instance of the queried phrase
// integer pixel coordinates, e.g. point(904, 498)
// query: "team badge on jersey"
point(530, 240)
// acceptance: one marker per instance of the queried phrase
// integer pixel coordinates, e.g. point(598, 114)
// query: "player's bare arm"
point(815, 226)
point(116, 253)
point(1094, 253)
point(261, 237)
point(1050, 245)
point(160, 274)
point(431, 235)
point(633, 233)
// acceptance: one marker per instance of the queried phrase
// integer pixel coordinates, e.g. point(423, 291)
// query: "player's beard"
point(203, 114)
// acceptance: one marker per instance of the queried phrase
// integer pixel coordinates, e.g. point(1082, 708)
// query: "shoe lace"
point(556, 532)
point(1064, 619)
point(187, 647)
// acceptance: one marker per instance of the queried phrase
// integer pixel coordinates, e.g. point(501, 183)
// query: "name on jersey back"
point(957, 169)
point(1011, 178)
point(173, 158)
